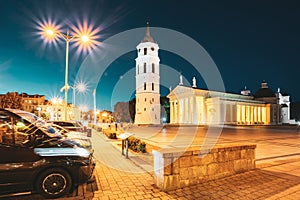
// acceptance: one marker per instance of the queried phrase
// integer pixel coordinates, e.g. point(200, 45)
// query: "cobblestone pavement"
point(118, 178)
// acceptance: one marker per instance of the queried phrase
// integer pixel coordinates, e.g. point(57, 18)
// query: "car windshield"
point(40, 123)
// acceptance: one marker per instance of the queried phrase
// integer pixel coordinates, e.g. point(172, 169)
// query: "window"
point(152, 109)
point(145, 99)
point(145, 109)
point(145, 86)
point(138, 69)
point(152, 86)
point(152, 48)
point(145, 68)
point(152, 99)
point(139, 50)
point(153, 68)
point(145, 51)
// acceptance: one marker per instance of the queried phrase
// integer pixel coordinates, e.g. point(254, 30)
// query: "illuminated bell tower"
point(147, 109)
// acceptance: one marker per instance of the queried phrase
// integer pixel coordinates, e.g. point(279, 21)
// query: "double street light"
point(84, 37)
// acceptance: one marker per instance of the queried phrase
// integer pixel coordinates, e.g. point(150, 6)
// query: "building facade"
point(23, 101)
point(191, 105)
point(31, 103)
point(147, 81)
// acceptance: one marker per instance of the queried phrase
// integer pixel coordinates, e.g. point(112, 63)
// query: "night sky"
point(249, 41)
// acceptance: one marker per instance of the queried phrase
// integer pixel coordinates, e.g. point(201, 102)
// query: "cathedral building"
point(192, 105)
point(196, 106)
point(147, 81)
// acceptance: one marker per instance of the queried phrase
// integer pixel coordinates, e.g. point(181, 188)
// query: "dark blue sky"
point(249, 41)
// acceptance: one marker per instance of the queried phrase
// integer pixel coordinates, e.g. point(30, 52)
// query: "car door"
point(16, 159)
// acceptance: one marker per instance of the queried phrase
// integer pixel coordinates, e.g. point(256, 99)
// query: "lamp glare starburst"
point(48, 30)
point(87, 37)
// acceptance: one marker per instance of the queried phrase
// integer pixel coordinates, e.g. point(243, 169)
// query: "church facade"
point(192, 105)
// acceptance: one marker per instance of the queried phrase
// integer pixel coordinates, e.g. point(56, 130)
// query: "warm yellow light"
point(50, 32)
point(85, 38)
point(88, 36)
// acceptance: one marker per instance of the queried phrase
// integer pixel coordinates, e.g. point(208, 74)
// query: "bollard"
point(126, 147)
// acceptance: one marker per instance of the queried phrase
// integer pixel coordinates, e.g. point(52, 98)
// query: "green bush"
point(136, 145)
point(109, 134)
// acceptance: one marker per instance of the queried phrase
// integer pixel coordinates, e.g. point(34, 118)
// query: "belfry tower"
point(147, 110)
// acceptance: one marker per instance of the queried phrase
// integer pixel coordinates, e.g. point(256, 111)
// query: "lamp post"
point(94, 94)
point(80, 87)
point(67, 37)
point(84, 36)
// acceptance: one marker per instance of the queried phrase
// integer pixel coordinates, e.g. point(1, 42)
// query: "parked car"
point(70, 125)
point(36, 157)
point(79, 137)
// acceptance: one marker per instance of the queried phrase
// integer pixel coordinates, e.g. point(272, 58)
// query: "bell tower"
point(147, 109)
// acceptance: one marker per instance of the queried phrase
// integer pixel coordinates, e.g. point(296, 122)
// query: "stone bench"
point(176, 168)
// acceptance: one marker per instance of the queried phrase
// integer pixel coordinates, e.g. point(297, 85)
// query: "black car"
point(35, 157)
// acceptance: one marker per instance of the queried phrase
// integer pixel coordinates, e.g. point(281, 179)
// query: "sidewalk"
point(119, 178)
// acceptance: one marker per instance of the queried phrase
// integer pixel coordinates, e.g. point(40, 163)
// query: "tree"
point(125, 111)
point(165, 108)
point(11, 100)
point(121, 112)
point(132, 103)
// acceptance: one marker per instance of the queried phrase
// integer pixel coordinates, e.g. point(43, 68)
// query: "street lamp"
point(84, 37)
point(94, 95)
point(67, 37)
point(80, 87)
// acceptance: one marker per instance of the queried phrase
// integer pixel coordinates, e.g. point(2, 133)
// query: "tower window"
point(152, 86)
point(152, 48)
point(145, 51)
point(145, 68)
point(153, 68)
point(145, 109)
point(145, 99)
point(152, 99)
point(145, 86)
point(139, 50)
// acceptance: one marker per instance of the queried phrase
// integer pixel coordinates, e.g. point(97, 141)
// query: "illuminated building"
point(191, 105)
point(147, 82)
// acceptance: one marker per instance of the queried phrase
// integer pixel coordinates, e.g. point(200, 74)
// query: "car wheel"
point(53, 183)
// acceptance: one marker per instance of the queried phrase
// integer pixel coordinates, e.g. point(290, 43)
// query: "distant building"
point(105, 116)
point(190, 105)
point(23, 101)
point(147, 82)
point(31, 103)
point(54, 110)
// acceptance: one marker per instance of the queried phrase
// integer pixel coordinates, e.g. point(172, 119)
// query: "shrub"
point(109, 134)
point(136, 145)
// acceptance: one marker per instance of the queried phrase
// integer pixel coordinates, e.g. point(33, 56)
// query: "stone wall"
point(177, 168)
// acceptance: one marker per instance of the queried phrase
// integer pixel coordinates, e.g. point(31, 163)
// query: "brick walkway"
point(118, 178)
